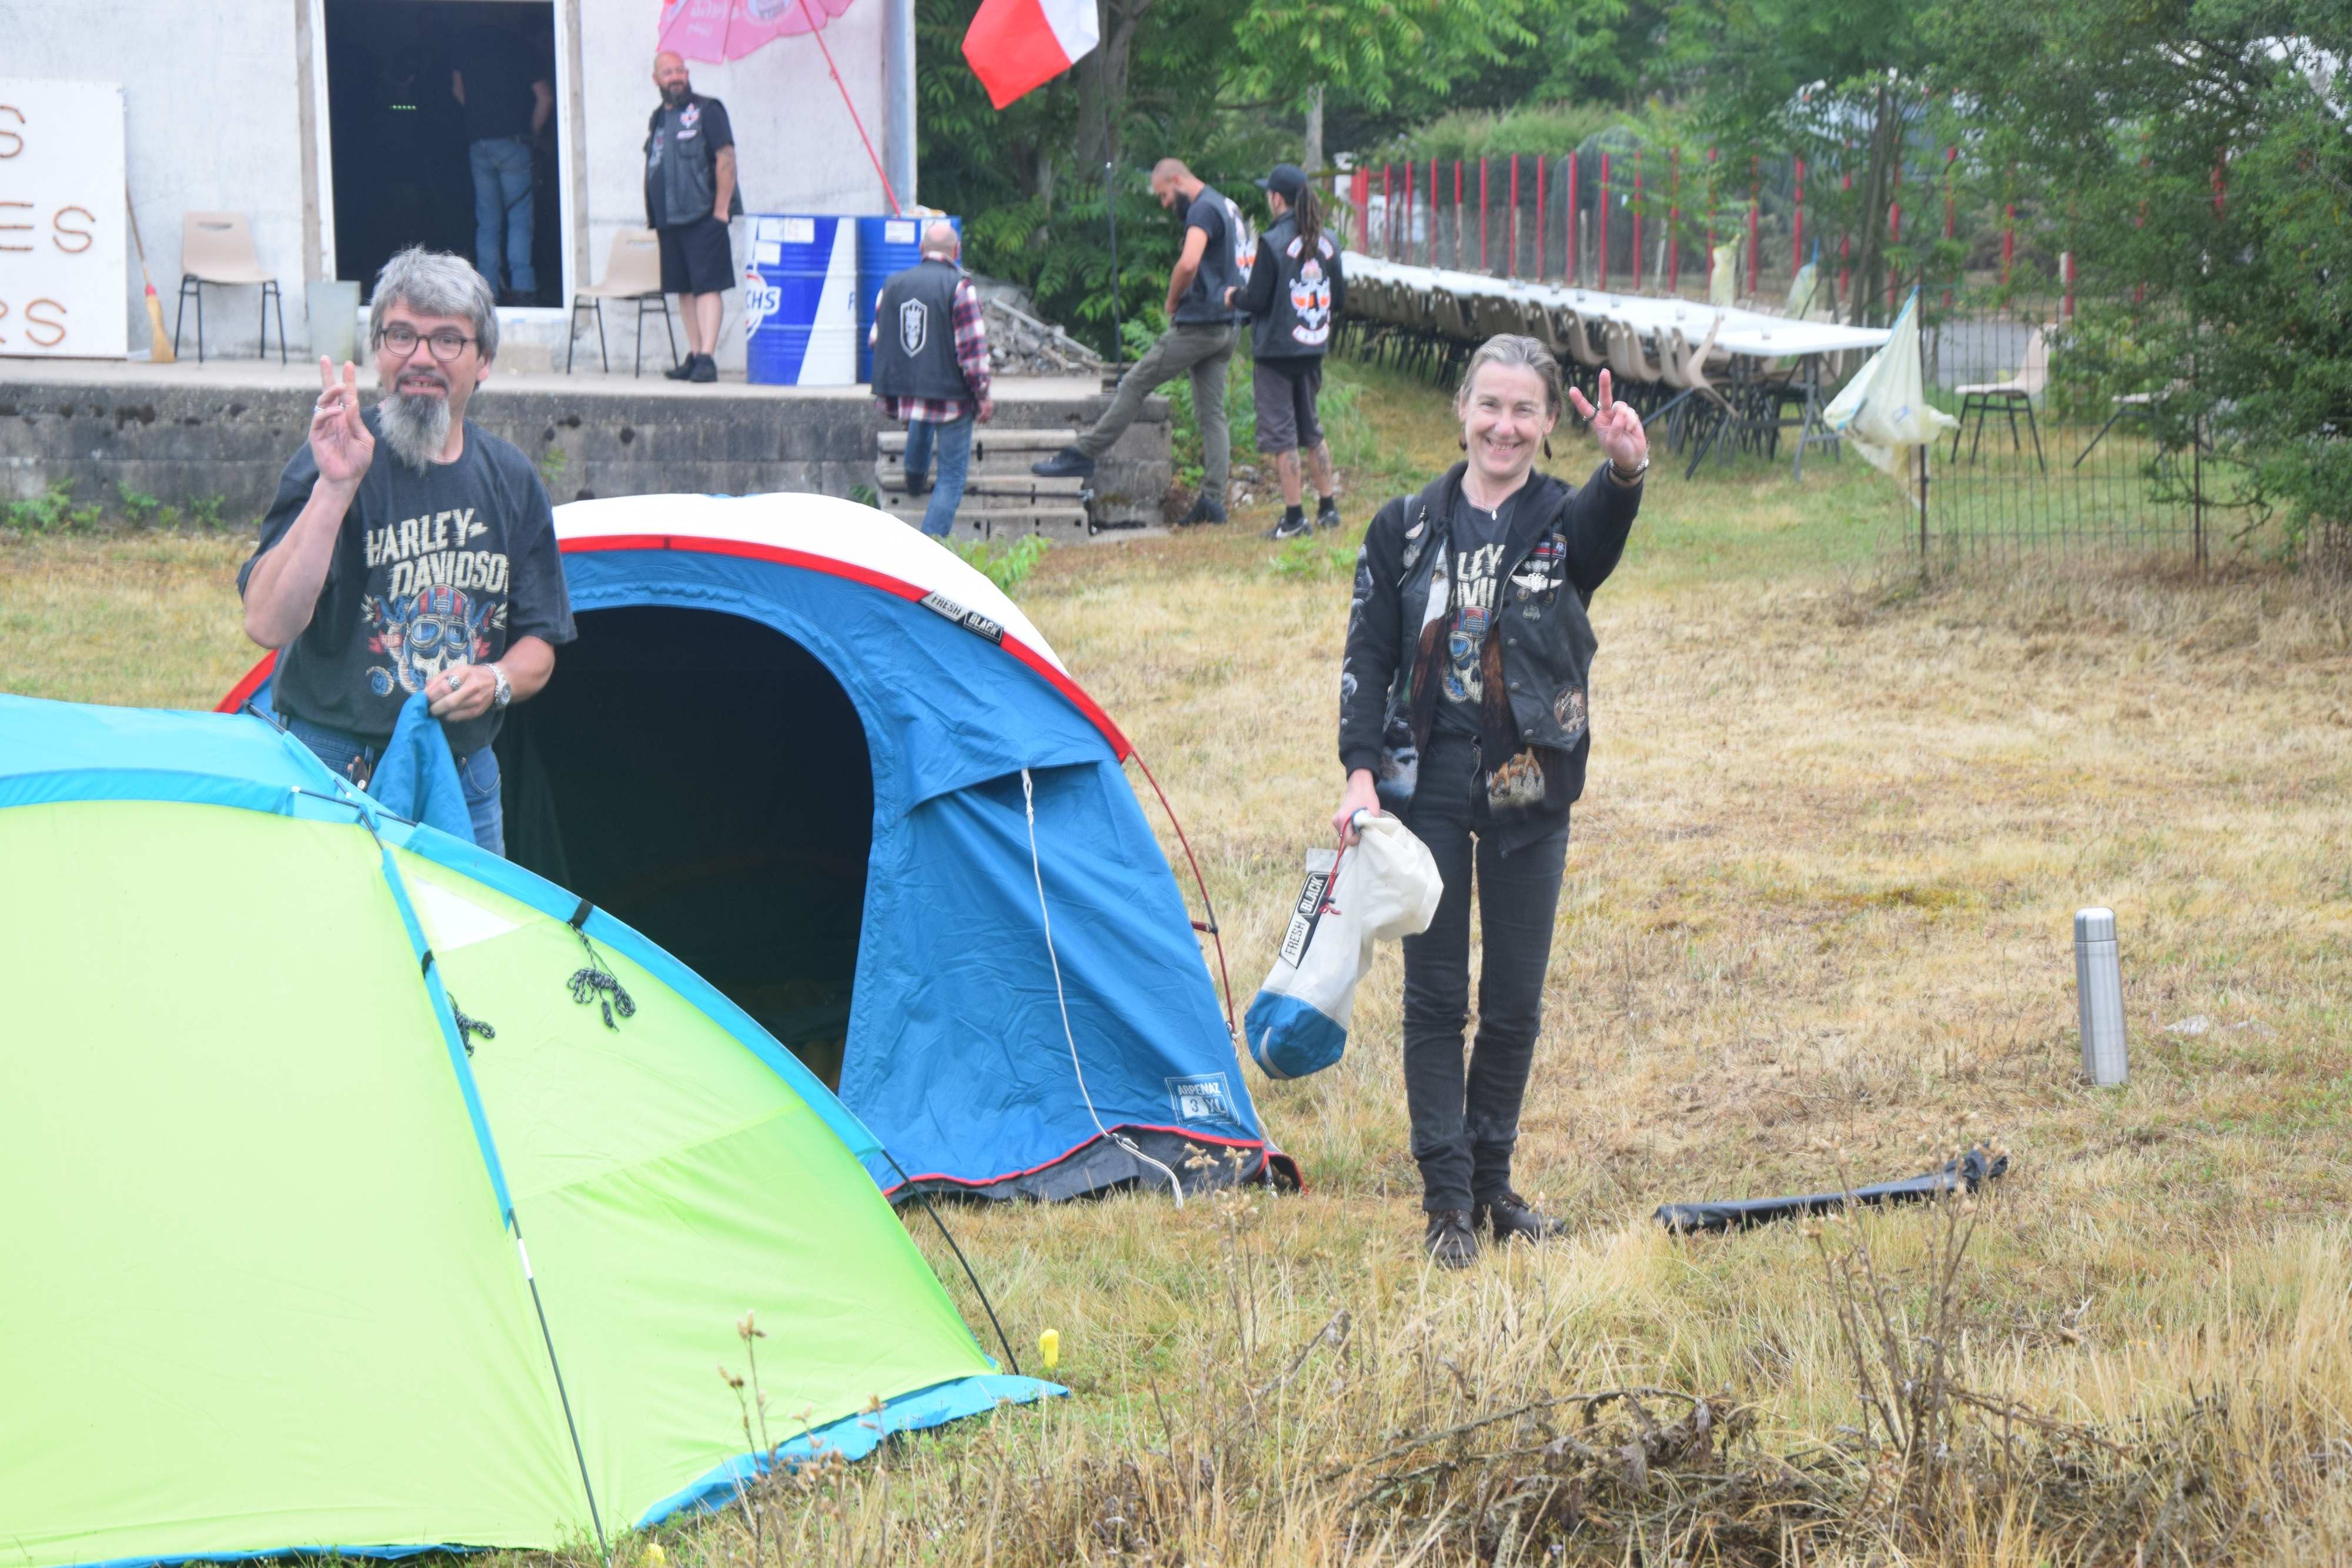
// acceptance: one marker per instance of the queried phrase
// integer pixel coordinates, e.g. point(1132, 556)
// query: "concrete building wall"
point(212, 123)
point(215, 120)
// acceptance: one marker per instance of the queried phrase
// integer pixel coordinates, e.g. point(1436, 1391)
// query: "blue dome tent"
point(829, 766)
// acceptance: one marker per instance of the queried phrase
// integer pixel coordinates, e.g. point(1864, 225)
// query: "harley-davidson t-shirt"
point(433, 570)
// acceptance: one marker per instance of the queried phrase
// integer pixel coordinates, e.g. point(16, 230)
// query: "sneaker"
point(705, 369)
point(684, 369)
point(1290, 529)
point(1203, 510)
point(1326, 515)
point(1450, 1241)
point(1510, 1217)
point(919, 484)
point(1069, 462)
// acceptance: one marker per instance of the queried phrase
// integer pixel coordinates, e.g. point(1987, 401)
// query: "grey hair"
point(435, 283)
point(1504, 349)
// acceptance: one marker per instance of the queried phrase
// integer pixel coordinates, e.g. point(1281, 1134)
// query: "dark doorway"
point(406, 149)
point(706, 779)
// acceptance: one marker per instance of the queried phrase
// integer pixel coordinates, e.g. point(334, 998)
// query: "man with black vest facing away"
point(930, 370)
point(690, 194)
point(1199, 341)
point(1293, 295)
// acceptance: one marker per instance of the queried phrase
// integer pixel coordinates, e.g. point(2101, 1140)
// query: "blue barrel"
point(801, 325)
point(886, 247)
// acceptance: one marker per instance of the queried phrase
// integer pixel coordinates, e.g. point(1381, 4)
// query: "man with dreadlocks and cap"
point(1294, 294)
point(1199, 341)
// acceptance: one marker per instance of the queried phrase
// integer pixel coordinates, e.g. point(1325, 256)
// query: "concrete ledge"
point(181, 434)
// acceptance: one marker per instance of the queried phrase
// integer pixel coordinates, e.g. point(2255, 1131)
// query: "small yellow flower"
point(656, 1557)
point(1049, 1347)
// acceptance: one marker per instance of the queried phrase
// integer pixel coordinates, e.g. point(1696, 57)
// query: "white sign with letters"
point(63, 239)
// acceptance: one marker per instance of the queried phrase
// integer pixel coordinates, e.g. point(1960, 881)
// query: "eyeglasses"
point(403, 338)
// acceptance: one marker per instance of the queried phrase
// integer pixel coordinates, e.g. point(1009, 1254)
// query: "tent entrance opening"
point(704, 778)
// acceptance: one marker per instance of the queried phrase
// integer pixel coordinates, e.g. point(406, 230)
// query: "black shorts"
point(697, 258)
point(1284, 391)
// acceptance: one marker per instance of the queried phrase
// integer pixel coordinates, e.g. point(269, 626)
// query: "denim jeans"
point(478, 774)
point(953, 441)
point(503, 203)
point(1465, 1125)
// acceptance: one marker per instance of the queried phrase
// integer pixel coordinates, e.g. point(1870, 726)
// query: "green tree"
point(2198, 155)
point(1841, 85)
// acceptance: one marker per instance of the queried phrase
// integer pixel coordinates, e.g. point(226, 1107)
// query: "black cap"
point(1286, 181)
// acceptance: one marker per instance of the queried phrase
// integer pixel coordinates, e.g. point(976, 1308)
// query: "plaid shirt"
point(972, 354)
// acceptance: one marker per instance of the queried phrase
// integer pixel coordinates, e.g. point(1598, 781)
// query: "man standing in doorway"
point(930, 369)
point(506, 104)
point(1218, 250)
point(689, 196)
point(431, 566)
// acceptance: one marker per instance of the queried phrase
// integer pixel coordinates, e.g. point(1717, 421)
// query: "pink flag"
point(720, 30)
point(1016, 45)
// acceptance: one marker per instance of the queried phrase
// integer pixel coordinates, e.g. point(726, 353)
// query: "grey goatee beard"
point(416, 425)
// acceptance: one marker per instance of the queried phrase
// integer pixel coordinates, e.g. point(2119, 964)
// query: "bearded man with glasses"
point(436, 570)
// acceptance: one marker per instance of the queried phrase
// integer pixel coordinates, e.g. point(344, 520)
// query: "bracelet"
point(505, 692)
point(1625, 478)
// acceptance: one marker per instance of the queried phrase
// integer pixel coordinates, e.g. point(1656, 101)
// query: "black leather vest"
point(1297, 325)
point(914, 335)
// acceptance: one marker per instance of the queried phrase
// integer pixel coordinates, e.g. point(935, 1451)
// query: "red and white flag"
point(1015, 45)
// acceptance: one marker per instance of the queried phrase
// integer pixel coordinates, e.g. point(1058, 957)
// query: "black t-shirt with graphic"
point(1476, 569)
point(431, 571)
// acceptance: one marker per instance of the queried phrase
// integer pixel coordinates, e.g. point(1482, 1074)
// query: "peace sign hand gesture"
point(340, 441)
point(1615, 425)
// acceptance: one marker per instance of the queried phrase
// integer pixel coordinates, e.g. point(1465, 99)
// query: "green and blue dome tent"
point(840, 774)
point(364, 1192)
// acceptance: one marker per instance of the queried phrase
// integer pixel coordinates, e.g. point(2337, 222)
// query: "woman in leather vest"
point(1464, 709)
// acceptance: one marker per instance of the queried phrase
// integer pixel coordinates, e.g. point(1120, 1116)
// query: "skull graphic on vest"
point(914, 325)
point(436, 629)
point(1310, 300)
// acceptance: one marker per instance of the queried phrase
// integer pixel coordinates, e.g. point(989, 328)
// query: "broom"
point(159, 346)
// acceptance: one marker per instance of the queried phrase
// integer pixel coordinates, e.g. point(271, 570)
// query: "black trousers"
point(1466, 1124)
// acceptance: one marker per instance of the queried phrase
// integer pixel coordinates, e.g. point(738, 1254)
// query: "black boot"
point(1203, 510)
point(1449, 1241)
point(705, 369)
point(683, 370)
point(1069, 462)
point(1510, 1217)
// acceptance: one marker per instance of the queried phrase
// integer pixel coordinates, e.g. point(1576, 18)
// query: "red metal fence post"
point(1360, 185)
point(1432, 212)
point(1511, 257)
point(1674, 220)
point(1575, 163)
point(1388, 211)
point(1637, 220)
point(1797, 224)
point(1408, 210)
point(1541, 163)
point(1601, 238)
point(1457, 212)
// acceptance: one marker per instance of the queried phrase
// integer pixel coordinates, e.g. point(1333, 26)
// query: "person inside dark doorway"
point(1294, 295)
point(432, 569)
point(506, 104)
point(930, 370)
point(690, 194)
point(1199, 341)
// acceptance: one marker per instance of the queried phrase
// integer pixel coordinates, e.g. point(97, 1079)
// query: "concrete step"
point(889, 478)
point(1062, 524)
point(988, 436)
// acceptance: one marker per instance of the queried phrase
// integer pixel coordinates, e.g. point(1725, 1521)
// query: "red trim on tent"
point(1267, 1150)
point(830, 566)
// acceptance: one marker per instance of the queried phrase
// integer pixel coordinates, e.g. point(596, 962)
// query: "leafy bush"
point(1004, 562)
point(48, 512)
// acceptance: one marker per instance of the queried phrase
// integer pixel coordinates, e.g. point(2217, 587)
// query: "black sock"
point(1292, 516)
point(1326, 503)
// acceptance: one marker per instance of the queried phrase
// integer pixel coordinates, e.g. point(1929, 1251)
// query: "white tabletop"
point(1754, 333)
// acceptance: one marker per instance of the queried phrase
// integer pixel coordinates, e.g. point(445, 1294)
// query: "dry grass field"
point(1817, 924)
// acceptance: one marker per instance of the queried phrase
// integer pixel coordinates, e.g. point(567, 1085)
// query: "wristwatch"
point(505, 694)
point(1629, 479)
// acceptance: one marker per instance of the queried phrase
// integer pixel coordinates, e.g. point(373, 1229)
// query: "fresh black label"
point(1307, 912)
point(971, 620)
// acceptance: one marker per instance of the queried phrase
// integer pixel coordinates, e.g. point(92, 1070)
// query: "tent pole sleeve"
point(446, 1016)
